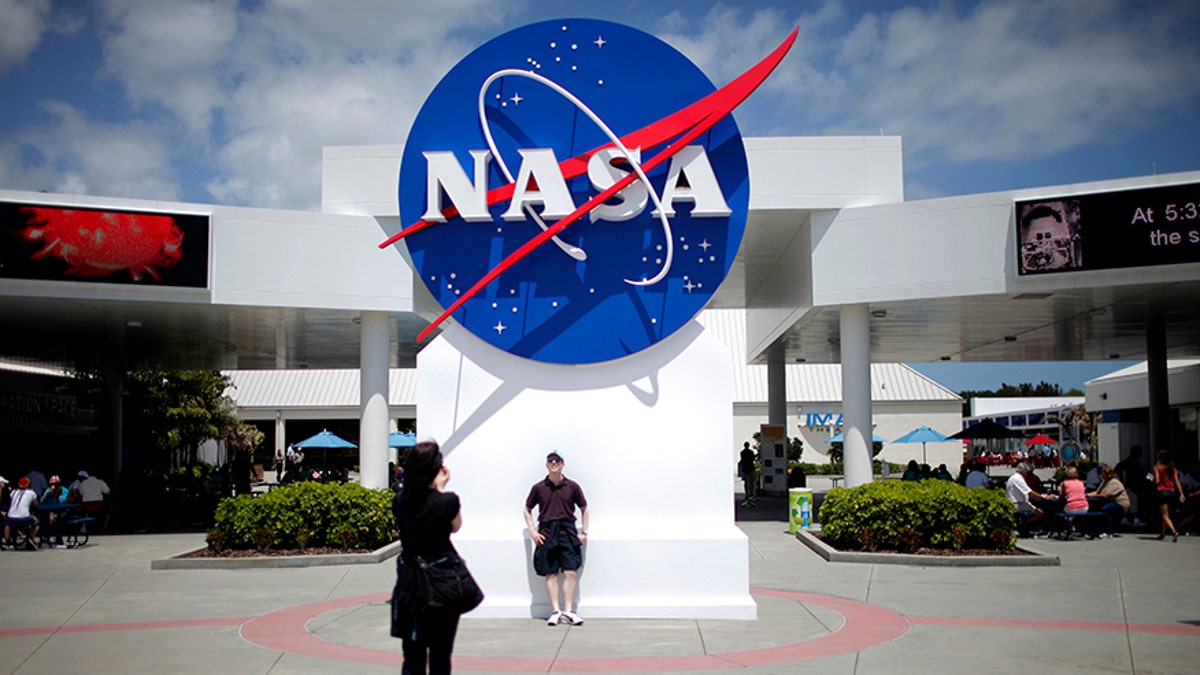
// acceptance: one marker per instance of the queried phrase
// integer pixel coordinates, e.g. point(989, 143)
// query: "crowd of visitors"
point(1129, 495)
point(35, 510)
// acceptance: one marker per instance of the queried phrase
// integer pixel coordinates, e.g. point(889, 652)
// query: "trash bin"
point(800, 507)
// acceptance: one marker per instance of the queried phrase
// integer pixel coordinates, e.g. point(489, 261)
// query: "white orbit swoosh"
point(580, 255)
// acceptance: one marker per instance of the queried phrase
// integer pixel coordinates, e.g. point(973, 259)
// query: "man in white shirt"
point(1019, 493)
point(92, 494)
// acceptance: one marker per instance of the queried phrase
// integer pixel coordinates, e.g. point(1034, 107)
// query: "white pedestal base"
point(648, 439)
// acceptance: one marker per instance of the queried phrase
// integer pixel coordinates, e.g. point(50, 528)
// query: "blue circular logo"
point(570, 195)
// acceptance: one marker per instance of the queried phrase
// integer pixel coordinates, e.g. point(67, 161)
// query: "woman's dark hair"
point(421, 466)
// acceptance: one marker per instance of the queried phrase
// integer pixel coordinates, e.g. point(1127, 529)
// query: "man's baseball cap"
point(23, 483)
point(554, 456)
point(55, 480)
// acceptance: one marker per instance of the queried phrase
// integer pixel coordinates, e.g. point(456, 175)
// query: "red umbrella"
point(1040, 439)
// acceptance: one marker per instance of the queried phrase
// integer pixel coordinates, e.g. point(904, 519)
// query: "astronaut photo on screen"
point(1050, 236)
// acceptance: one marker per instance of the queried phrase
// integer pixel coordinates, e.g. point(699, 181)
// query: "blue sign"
point(575, 191)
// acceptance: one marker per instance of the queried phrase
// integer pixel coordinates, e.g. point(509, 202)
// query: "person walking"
point(747, 470)
point(427, 515)
point(558, 546)
point(1170, 492)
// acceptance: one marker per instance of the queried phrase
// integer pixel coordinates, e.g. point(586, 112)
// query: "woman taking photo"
point(1170, 492)
point(426, 515)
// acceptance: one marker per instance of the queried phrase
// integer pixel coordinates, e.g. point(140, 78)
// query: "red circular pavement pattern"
point(865, 626)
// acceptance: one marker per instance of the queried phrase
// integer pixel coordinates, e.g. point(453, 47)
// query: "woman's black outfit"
point(424, 531)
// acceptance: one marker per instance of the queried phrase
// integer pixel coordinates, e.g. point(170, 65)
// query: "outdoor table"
point(44, 512)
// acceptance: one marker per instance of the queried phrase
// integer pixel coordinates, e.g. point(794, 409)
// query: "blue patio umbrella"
point(923, 435)
point(324, 440)
point(402, 439)
point(837, 438)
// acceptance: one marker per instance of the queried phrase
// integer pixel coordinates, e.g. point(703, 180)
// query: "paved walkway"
point(1127, 605)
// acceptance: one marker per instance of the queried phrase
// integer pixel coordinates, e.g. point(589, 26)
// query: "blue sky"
point(990, 376)
point(231, 102)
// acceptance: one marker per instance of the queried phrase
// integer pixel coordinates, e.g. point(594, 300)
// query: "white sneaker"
point(1137, 522)
point(573, 618)
point(555, 619)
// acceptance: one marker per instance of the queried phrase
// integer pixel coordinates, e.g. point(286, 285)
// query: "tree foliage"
point(1081, 423)
point(1022, 390)
point(179, 410)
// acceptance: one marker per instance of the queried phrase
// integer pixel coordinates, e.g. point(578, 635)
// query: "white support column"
point(856, 394)
point(280, 431)
point(777, 389)
point(373, 399)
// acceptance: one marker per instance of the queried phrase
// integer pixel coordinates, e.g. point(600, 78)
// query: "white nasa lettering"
point(539, 167)
point(690, 178)
point(443, 172)
point(631, 201)
point(704, 191)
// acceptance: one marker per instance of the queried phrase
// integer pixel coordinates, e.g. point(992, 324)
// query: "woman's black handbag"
point(447, 584)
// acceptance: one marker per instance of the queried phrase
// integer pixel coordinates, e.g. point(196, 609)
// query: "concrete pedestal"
point(662, 541)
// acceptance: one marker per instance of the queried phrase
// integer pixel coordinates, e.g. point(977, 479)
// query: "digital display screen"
point(1111, 230)
point(55, 243)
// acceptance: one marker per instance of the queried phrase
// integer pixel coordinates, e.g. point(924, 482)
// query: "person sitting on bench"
point(20, 516)
point(1019, 493)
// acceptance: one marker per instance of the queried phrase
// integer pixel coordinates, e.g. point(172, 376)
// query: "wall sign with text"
point(1111, 230)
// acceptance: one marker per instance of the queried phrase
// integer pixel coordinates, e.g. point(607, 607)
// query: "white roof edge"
point(1138, 370)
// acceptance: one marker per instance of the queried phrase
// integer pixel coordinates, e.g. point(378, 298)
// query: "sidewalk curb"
point(832, 555)
point(275, 562)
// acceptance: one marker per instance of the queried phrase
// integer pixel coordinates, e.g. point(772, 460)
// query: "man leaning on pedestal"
point(559, 547)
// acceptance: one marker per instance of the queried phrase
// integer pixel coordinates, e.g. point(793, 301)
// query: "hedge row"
point(839, 468)
point(304, 515)
point(909, 515)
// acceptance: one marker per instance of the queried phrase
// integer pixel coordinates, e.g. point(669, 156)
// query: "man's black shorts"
point(560, 552)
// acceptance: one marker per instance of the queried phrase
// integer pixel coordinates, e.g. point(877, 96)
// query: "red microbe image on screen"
point(98, 243)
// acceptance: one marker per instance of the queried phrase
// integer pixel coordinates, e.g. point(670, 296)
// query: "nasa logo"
point(560, 203)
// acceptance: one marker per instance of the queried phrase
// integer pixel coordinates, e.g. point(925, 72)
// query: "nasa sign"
point(575, 191)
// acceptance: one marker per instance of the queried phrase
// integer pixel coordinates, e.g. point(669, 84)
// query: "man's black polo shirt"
point(555, 502)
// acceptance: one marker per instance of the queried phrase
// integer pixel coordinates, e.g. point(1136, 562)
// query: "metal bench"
point(1059, 525)
point(75, 530)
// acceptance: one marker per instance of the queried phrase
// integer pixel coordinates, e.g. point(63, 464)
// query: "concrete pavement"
point(1126, 605)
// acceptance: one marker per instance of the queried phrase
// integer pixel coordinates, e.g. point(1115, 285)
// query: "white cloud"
point(21, 31)
point(252, 91)
point(169, 52)
point(261, 91)
point(1018, 79)
point(72, 154)
point(1003, 80)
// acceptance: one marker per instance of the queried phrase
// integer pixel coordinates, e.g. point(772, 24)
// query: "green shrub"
point(839, 468)
point(305, 515)
point(907, 515)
